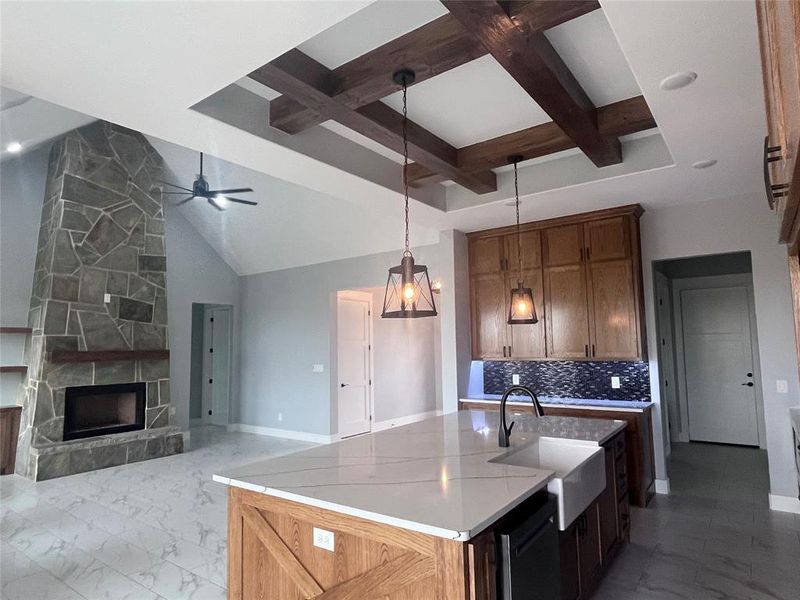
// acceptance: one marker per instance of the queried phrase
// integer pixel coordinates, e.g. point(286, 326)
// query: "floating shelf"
point(13, 369)
point(69, 356)
point(17, 330)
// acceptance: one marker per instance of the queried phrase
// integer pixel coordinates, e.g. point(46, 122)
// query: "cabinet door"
point(528, 341)
point(489, 306)
point(608, 507)
point(486, 255)
point(612, 310)
point(608, 239)
point(531, 251)
point(567, 317)
point(562, 245)
point(589, 550)
point(570, 565)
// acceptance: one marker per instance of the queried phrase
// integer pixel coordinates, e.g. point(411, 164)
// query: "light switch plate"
point(515, 379)
point(317, 368)
point(782, 386)
point(616, 383)
point(106, 298)
point(323, 539)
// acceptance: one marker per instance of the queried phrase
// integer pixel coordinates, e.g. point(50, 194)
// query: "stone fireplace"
point(97, 389)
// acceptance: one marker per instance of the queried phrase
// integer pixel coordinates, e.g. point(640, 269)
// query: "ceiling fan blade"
point(185, 201)
point(243, 201)
point(183, 193)
point(230, 191)
point(214, 204)
point(175, 186)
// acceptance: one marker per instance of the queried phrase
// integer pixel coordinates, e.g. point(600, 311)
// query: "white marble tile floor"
point(146, 531)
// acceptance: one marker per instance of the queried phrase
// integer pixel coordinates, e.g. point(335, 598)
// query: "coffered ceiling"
point(132, 65)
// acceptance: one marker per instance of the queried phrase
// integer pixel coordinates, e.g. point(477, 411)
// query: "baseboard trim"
point(288, 434)
point(662, 486)
point(407, 420)
point(787, 504)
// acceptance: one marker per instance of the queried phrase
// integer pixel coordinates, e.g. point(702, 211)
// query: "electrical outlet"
point(515, 379)
point(323, 539)
point(616, 383)
point(280, 416)
point(782, 386)
point(106, 298)
point(317, 368)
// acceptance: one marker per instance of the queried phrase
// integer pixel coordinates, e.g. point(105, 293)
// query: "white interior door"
point(353, 332)
point(718, 356)
point(219, 352)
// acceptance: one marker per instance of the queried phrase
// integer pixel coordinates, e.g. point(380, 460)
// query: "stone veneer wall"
point(101, 232)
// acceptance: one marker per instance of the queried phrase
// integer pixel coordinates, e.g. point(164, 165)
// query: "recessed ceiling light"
point(678, 80)
point(14, 147)
point(704, 164)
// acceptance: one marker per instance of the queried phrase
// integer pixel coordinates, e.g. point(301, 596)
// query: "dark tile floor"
point(714, 537)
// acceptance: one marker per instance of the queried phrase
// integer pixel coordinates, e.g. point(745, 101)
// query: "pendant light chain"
point(519, 237)
point(405, 160)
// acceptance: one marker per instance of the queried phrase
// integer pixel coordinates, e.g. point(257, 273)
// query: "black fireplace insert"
point(92, 410)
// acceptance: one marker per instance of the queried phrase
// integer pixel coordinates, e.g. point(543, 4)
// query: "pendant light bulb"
point(409, 294)
point(522, 309)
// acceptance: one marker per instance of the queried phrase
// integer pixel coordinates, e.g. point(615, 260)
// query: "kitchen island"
point(403, 513)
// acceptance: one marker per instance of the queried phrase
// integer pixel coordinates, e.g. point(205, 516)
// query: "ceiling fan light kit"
point(219, 199)
point(409, 294)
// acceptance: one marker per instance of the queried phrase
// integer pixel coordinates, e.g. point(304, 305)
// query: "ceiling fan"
point(216, 198)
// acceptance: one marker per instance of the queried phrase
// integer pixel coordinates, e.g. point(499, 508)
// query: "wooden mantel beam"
point(617, 119)
point(310, 83)
point(430, 50)
point(533, 62)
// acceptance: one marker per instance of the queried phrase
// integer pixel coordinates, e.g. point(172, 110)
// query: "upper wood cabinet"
point(585, 273)
point(779, 37)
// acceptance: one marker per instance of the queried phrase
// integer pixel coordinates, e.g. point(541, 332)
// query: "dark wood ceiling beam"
point(310, 83)
point(533, 62)
point(617, 119)
point(430, 50)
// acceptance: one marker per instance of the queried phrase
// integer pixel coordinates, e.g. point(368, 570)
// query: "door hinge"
point(210, 381)
point(209, 411)
point(211, 350)
point(370, 381)
point(369, 347)
point(666, 383)
point(660, 302)
point(212, 319)
point(369, 313)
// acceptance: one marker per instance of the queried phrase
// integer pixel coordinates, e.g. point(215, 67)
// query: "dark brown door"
point(612, 310)
point(570, 565)
point(528, 341)
point(608, 239)
point(589, 549)
point(567, 312)
point(608, 509)
point(562, 245)
point(488, 300)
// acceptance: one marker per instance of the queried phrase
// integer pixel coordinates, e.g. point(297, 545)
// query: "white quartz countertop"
point(433, 476)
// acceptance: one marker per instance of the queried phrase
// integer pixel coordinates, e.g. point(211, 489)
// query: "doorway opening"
point(401, 366)
point(210, 372)
point(709, 370)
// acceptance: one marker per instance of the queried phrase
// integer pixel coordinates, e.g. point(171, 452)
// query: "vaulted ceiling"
point(132, 65)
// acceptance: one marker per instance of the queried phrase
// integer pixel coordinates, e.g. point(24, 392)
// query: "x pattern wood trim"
point(381, 581)
point(512, 32)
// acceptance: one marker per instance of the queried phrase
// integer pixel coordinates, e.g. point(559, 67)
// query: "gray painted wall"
point(404, 363)
point(735, 225)
point(288, 324)
point(22, 182)
point(195, 274)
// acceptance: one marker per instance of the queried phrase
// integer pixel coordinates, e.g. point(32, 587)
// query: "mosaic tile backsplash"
point(571, 379)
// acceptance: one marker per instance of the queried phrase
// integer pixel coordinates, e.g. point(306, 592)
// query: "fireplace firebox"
point(93, 410)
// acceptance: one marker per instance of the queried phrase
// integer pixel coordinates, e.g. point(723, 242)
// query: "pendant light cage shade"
point(522, 310)
point(409, 294)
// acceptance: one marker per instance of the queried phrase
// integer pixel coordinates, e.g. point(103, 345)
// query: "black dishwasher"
point(528, 557)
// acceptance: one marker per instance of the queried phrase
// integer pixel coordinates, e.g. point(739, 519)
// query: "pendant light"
point(521, 310)
point(408, 289)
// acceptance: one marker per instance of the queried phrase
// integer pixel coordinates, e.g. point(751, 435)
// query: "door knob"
point(749, 374)
point(748, 384)
point(344, 384)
